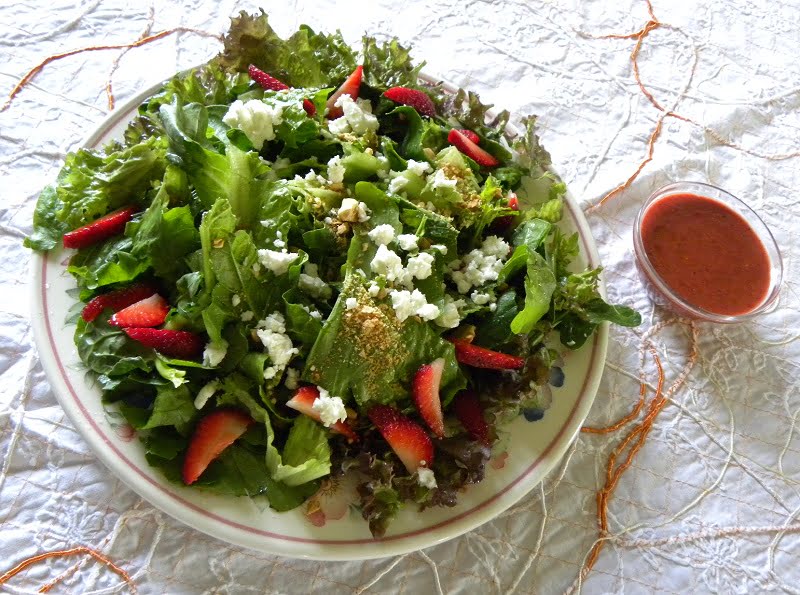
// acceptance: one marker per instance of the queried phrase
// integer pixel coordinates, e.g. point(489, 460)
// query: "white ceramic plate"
point(533, 449)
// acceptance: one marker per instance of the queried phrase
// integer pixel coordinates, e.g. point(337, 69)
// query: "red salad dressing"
point(706, 253)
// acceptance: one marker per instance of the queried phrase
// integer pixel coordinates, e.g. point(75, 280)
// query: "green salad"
point(302, 261)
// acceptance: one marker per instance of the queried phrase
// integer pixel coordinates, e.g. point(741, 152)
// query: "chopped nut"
point(218, 243)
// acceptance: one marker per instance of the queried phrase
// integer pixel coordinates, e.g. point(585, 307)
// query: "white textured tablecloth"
point(709, 504)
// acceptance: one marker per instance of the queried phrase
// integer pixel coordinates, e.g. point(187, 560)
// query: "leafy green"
point(107, 350)
point(388, 65)
point(540, 283)
point(172, 407)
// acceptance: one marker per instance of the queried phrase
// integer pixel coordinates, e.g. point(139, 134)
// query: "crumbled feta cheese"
point(426, 478)
point(205, 393)
point(316, 314)
point(440, 180)
point(374, 289)
point(386, 262)
point(255, 118)
point(247, 316)
point(214, 353)
point(310, 282)
point(336, 170)
point(357, 117)
point(383, 234)
point(480, 298)
point(397, 183)
point(277, 262)
point(353, 211)
point(420, 266)
point(480, 265)
point(449, 317)
point(292, 377)
point(418, 167)
point(493, 306)
point(408, 303)
point(235, 300)
point(407, 241)
point(279, 244)
point(441, 248)
point(272, 333)
point(330, 409)
point(350, 303)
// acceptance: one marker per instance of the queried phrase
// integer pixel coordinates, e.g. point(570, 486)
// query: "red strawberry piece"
point(471, 149)
point(214, 433)
point(501, 224)
point(117, 299)
point(303, 401)
point(267, 81)
point(150, 311)
point(270, 83)
point(419, 100)
point(425, 391)
point(473, 136)
point(349, 87)
point(108, 226)
point(513, 202)
point(480, 357)
point(469, 412)
point(408, 440)
point(180, 344)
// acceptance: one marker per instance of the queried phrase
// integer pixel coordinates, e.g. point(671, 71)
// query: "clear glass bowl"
point(663, 295)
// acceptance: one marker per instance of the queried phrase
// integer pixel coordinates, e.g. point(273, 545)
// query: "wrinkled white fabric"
point(710, 503)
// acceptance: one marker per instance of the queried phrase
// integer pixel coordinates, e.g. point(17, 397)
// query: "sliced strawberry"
point(117, 300)
point(150, 311)
point(408, 440)
point(480, 357)
point(471, 149)
point(110, 225)
point(303, 401)
point(350, 87)
point(473, 136)
point(270, 83)
point(180, 344)
point(414, 98)
point(267, 81)
point(425, 391)
point(469, 412)
point(513, 202)
point(214, 433)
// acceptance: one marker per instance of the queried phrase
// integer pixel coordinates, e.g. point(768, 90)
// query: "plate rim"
point(162, 498)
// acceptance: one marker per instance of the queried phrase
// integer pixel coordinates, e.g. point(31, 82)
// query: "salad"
point(300, 261)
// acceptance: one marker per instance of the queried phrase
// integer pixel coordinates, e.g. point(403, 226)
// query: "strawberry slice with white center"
point(419, 100)
point(270, 83)
point(349, 87)
point(106, 227)
point(214, 433)
point(117, 299)
point(480, 357)
point(471, 149)
point(303, 401)
point(180, 344)
point(150, 311)
point(471, 135)
point(469, 412)
point(408, 440)
point(425, 391)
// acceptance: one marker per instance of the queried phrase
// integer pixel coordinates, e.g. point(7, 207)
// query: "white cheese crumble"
point(480, 298)
point(336, 170)
point(426, 478)
point(374, 289)
point(418, 167)
point(247, 316)
point(330, 409)
point(450, 317)
point(440, 180)
point(310, 282)
point(357, 117)
point(272, 333)
point(350, 303)
point(279, 243)
point(214, 353)
point(408, 303)
point(382, 234)
point(397, 183)
point(235, 300)
point(255, 118)
point(441, 248)
point(480, 265)
point(386, 262)
point(420, 266)
point(292, 378)
point(205, 393)
point(353, 211)
point(407, 241)
point(277, 262)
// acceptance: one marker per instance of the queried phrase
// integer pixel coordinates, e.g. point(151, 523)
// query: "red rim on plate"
point(167, 497)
